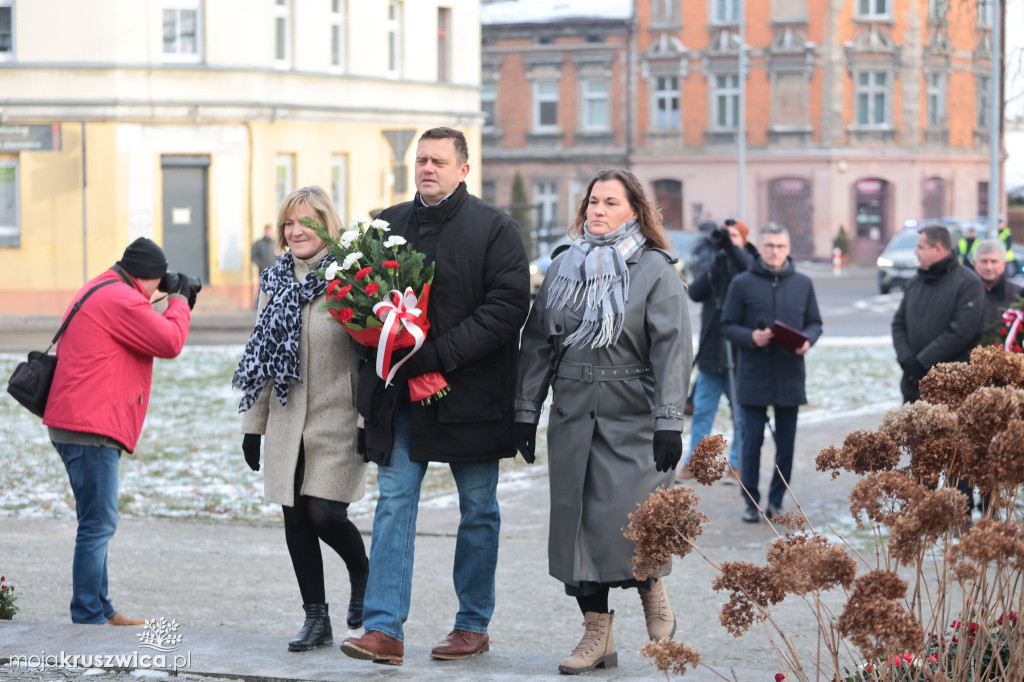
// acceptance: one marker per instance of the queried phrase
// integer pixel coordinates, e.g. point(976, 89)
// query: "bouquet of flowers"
point(378, 291)
point(1013, 324)
point(7, 599)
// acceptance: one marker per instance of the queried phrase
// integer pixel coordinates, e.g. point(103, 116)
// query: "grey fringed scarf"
point(594, 273)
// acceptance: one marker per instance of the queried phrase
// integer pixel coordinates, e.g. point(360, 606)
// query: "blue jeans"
point(388, 590)
point(706, 396)
point(93, 474)
point(754, 419)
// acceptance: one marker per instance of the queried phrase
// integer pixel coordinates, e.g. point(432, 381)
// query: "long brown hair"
point(647, 214)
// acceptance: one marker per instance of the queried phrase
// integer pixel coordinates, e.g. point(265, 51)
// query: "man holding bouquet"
point(479, 300)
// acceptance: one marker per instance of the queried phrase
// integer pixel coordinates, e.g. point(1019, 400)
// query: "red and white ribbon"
point(397, 313)
point(1014, 318)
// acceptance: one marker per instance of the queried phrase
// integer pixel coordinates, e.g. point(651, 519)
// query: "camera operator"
point(99, 398)
point(729, 254)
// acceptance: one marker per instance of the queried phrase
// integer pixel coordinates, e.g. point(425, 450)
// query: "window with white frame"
point(339, 186)
point(983, 84)
point(665, 11)
point(284, 176)
point(545, 195)
point(937, 9)
point(6, 30)
point(936, 90)
point(985, 11)
point(10, 222)
point(545, 106)
point(282, 34)
point(872, 97)
point(182, 30)
point(596, 114)
point(665, 112)
point(394, 31)
point(872, 9)
point(444, 49)
point(488, 102)
point(725, 11)
point(725, 98)
point(339, 35)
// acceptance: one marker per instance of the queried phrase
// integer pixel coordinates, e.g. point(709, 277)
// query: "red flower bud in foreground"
point(779, 677)
point(390, 264)
point(362, 273)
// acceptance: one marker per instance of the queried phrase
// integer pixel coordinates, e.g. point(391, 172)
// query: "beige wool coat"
point(320, 412)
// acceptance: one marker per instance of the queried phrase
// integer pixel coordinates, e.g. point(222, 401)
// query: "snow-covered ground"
point(189, 460)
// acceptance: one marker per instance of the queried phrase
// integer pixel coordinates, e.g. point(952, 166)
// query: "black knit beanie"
point(144, 259)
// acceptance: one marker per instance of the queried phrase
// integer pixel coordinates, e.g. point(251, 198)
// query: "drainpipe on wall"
point(85, 215)
point(995, 108)
point(630, 87)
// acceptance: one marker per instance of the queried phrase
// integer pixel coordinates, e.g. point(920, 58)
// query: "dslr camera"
point(177, 283)
point(719, 238)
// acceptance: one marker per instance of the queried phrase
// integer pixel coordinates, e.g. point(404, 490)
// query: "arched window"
point(668, 194)
point(789, 205)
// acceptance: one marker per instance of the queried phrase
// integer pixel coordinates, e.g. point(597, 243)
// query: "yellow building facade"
point(187, 121)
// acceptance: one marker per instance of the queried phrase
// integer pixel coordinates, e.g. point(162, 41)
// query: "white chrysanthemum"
point(381, 225)
point(332, 271)
point(350, 260)
point(349, 236)
point(393, 241)
point(359, 222)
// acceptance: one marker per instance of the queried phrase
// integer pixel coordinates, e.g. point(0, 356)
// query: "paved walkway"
point(230, 588)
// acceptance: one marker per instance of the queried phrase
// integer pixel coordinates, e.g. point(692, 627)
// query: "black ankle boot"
point(354, 620)
point(315, 631)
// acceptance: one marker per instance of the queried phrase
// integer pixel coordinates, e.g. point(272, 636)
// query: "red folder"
point(787, 337)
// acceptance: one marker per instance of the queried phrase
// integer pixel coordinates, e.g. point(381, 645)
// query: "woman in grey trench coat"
point(298, 373)
point(610, 333)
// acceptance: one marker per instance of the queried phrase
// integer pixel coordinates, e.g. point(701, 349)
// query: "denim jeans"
point(388, 590)
point(706, 396)
point(754, 419)
point(93, 474)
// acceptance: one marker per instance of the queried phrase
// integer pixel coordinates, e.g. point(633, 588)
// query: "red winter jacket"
point(105, 366)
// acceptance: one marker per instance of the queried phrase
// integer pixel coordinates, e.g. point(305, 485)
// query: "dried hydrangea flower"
point(753, 589)
point(708, 463)
point(949, 383)
point(988, 411)
point(671, 657)
point(874, 621)
point(931, 457)
point(865, 451)
point(932, 515)
point(793, 520)
point(803, 564)
point(1004, 465)
point(996, 366)
point(661, 527)
point(990, 541)
point(883, 496)
point(829, 459)
point(913, 422)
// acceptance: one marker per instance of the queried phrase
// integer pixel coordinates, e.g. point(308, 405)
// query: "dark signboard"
point(29, 138)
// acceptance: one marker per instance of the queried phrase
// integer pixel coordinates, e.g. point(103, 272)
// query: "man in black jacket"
point(478, 302)
point(768, 372)
point(939, 318)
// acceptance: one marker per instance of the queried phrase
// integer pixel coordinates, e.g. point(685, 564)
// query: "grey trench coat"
point(606, 405)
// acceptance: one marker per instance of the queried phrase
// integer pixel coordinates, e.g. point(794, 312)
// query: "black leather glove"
point(184, 286)
point(914, 369)
point(424, 360)
point(668, 449)
point(251, 450)
point(524, 435)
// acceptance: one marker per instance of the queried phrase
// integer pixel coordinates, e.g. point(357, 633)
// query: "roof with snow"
point(539, 11)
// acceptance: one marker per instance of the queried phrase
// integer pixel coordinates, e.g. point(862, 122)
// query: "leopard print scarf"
point(272, 353)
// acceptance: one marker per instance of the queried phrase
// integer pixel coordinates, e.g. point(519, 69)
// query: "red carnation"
point(343, 292)
point(1003, 331)
point(371, 288)
point(779, 677)
point(390, 264)
point(362, 273)
point(343, 315)
point(1016, 348)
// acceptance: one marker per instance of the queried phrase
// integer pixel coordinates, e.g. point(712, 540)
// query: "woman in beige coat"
point(298, 373)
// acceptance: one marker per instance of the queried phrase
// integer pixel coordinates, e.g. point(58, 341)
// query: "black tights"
point(312, 520)
point(596, 602)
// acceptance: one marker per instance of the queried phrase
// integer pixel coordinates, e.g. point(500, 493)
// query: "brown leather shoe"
point(375, 646)
point(461, 644)
point(121, 619)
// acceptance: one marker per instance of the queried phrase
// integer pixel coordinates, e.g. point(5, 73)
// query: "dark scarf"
point(594, 273)
point(272, 353)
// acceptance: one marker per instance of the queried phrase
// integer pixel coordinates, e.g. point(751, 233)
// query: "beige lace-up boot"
point(596, 649)
point(661, 622)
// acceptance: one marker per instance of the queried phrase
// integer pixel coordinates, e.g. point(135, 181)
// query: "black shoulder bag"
point(30, 383)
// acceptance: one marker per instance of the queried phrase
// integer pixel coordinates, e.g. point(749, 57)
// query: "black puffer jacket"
point(771, 374)
point(478, 303)
point(940, 316)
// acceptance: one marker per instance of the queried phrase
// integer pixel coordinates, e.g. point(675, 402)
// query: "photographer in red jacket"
point(99, 398)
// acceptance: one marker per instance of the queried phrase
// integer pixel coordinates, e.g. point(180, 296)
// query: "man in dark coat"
point(769, 373)
point(478, 303)
point(939, 318)
point(1000, 293)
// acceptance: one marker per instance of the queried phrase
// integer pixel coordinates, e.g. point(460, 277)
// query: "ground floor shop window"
point(10, 222)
